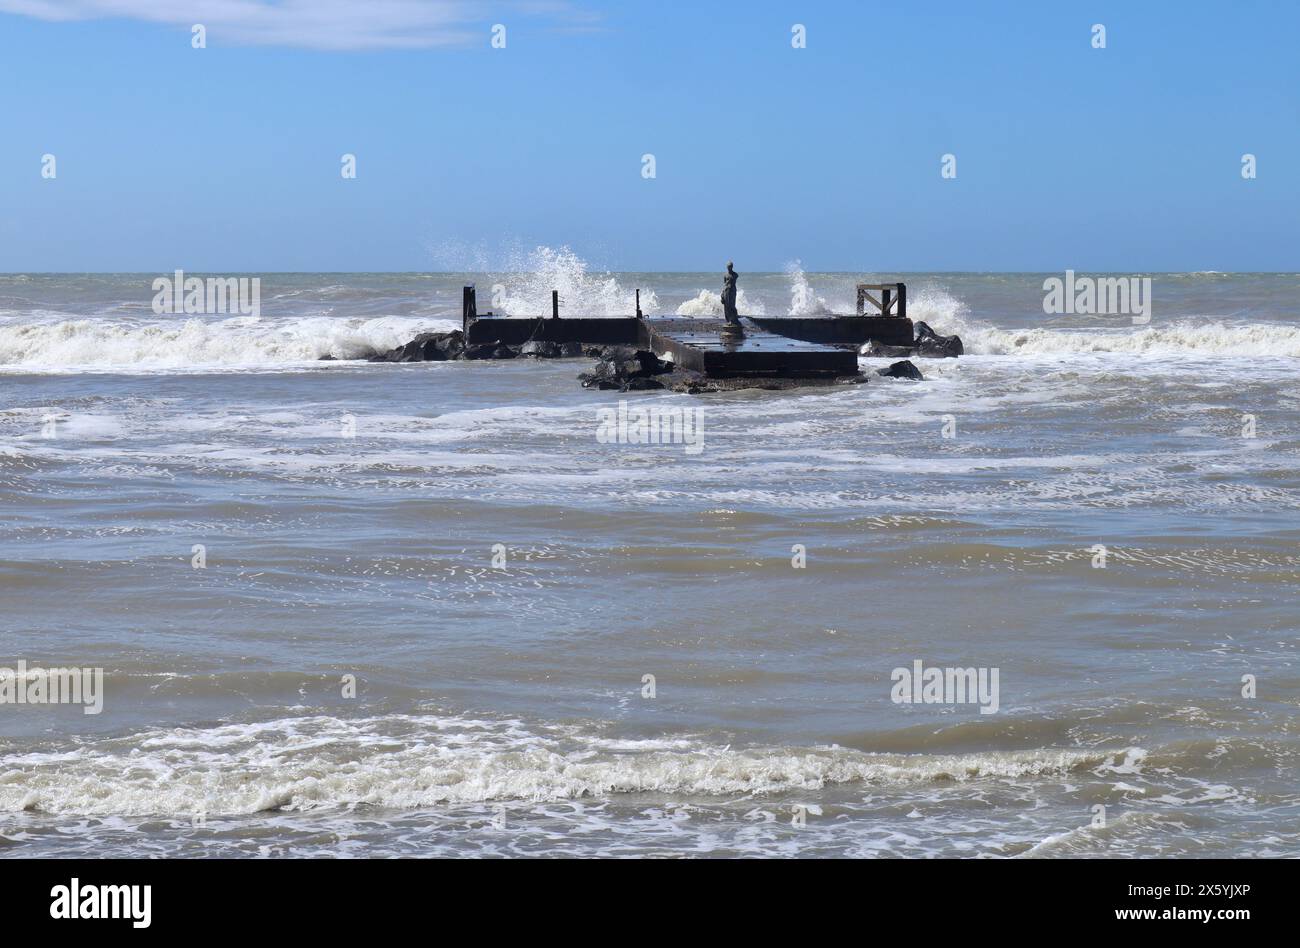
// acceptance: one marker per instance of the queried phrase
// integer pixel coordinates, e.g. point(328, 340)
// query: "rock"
point(641, 383)
point(930, 343)
point(622, 364)
point(689, 382)
point(604, 384)
point(427, 347)
point(902, 370)
point(694, 387)
point(651, 364)
point(489, 350)
point(610, 353)
point(877, 349)
point(539, 349)
point(570, 350)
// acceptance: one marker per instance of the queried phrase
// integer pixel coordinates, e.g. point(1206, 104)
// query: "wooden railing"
point(892, 301)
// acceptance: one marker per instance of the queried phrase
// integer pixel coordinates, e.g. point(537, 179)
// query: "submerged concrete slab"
point(699, 346)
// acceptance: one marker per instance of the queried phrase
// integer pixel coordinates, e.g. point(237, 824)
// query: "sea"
point(351, 609)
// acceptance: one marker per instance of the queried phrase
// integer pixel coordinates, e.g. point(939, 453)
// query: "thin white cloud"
point(314, 24)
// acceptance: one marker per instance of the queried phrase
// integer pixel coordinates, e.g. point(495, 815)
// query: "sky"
point(228, 158)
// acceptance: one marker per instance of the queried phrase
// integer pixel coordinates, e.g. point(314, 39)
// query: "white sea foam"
point(709, 303)
point(418, 761)
point(194, 343)
point(1181, 338)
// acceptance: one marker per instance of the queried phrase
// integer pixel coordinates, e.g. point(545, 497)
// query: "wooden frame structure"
point(893, 296)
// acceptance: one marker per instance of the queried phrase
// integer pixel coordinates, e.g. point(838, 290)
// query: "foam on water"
point(406, 761)
point(1257, 340)
point(197, 343)
point(1068, 435)
point(1183, 336)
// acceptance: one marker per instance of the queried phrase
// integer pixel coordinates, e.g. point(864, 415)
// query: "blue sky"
point(227, 158)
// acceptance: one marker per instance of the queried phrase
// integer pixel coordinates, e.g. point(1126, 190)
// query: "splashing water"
point(943, 312)
point(526, 289)
point(803, 300)
point(709, 303)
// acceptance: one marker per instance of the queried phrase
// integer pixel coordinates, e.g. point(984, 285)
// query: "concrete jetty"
point(790, 347)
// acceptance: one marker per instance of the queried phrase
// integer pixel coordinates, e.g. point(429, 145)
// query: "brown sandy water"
point(502, 706)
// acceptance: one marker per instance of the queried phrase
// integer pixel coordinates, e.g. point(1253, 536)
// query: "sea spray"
point(195, 344)
point(709, 303)
point(804, 301)
point(525, 289)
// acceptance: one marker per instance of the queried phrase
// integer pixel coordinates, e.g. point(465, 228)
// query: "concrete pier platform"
point(699, 346)
point(840, 330)
point(773, 346)
point(695, 344)
point(594, 331)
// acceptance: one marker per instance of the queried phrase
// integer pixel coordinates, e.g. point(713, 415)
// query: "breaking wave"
point(709, 303)
point(1180, 338)
point(804, 301)
point(196, 343)
point(1183, 337)
point(418, 761)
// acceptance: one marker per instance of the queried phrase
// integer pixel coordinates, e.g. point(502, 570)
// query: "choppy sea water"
point(502, 707)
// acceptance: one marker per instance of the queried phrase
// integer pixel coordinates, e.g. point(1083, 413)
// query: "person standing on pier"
point(729, 294)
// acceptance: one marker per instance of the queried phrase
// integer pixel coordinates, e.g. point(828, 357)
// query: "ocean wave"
point(709, 303)
point(804, 300)
point(97, 342)
point(946, 313)
point(1180, 338)
point(419, 761)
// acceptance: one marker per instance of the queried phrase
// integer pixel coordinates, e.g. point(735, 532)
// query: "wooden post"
point(555, 304)
point(862, 296)
point(885, 297)
point(638, 303)
point(902, 300)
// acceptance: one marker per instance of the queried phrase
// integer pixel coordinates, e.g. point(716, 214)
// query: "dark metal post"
point(555, 304)
point(468, 308)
